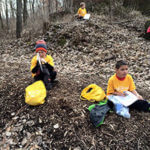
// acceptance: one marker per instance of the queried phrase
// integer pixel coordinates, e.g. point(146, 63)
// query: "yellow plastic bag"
point(35, 93)
point(93, 93)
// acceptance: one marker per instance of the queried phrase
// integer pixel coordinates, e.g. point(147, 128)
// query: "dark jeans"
point(46, 76)
point(140, 105)
point(147, 36)
point(80, 18)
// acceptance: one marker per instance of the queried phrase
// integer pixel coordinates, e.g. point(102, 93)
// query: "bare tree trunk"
point(19, 19)
point(68, 5)
point(1, 20)
point(7, 22)
point(71, 5)
point(25, 12)
point(56, 6)
point(12, 9)
point(43, 7)
point(51, 6)
point(110, 10)
point(33, 7)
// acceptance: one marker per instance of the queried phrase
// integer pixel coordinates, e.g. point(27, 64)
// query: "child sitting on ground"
point(121, 81)
point(82, 11)
point(42, 65)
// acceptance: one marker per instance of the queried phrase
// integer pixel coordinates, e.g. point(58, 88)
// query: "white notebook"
point(127, 100)
point(87, 17)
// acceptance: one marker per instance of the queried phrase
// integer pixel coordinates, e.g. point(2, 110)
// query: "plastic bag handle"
point(90, 100)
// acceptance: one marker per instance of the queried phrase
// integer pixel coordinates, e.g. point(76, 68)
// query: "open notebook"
point(127, 100)
point(87, 17)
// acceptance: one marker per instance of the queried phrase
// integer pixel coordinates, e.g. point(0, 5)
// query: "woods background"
point(84, 52)
point(19, 15)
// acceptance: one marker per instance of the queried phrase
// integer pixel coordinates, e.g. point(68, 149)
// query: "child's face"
point(122, 71)
point(42, 54)
point(83, 6)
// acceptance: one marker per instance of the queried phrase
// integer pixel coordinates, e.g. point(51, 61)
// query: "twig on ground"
point(86, 148)
point(107, 134)
point(29, 141)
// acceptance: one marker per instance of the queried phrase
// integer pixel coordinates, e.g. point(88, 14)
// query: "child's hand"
point(140, 97)
point(119, 94)
point(125, 93)
point(137, 95)
point(43, 60)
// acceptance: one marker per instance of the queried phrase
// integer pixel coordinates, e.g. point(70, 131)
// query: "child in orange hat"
point(42, 65)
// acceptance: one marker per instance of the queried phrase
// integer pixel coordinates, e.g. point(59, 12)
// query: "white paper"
point(39, 59)
point(127, 100)
point(87, 17)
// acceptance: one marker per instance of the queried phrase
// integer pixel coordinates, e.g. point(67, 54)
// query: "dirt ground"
point(84, 53)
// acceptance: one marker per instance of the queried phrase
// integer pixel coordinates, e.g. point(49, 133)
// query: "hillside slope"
point(84, 53)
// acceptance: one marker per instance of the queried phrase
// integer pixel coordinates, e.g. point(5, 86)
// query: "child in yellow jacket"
point(42, 65)
point(121, 82)
point(82, 10)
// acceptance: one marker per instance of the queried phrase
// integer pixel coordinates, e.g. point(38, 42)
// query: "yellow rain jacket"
point(48, 59)
point(82, 12)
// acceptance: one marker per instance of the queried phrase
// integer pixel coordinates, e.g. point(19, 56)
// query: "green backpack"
point(98, 112)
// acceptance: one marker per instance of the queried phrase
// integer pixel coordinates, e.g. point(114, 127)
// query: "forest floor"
point(84, 52)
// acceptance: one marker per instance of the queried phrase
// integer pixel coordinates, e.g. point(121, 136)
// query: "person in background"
point(82, 11)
